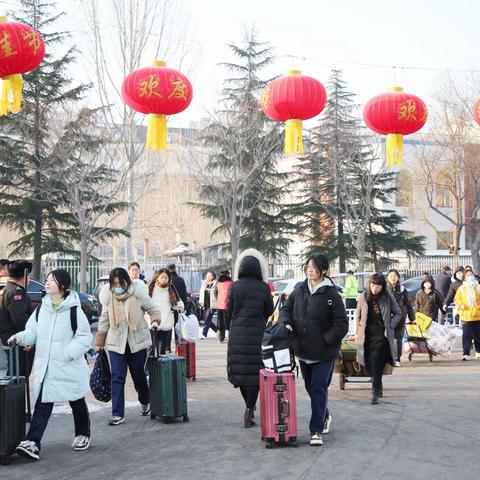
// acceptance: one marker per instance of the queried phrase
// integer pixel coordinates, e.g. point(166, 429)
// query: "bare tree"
point(447, 174)
point(85, 172)
point(143, 30)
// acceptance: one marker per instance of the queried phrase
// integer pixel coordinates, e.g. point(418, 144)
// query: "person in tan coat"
point(124, 332)
point(377, 316)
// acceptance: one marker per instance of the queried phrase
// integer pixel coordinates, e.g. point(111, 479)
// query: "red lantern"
point(291, 99)
point(158, 91)
point(395, 114)
point(476, 111)
point(21, 50)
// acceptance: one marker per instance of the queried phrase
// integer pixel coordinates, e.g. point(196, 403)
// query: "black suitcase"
point(12, 408)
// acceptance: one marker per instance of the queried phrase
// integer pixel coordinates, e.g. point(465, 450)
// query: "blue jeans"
point(136, 364)
point(317, 377)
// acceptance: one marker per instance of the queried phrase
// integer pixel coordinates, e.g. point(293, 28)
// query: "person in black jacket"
point(180, 288)
point(443, 281)
point(249, 305)
point(400, 294)
point(16, 308)
point(316, 315)
point(457, 282)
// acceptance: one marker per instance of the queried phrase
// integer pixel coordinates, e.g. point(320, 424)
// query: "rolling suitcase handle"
point(155, 342)
point(10, 349)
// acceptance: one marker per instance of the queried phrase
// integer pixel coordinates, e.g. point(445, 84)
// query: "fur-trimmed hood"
point(246, 265)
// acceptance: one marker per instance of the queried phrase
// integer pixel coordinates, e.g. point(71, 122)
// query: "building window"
point(404, 185)
point(444, 198)
point(444, 240)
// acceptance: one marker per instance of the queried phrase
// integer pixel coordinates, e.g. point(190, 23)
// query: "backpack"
point(277, 352)
point(73, 318)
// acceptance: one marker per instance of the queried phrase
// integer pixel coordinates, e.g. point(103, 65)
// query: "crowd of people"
point(138, 317)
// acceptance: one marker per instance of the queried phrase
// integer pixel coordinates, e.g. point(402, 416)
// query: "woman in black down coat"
point(249, 305)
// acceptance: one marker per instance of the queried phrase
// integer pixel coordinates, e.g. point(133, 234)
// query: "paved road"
point(425, 428)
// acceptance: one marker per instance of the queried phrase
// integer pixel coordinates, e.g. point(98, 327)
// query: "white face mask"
point(427, 286)
point(471, 280)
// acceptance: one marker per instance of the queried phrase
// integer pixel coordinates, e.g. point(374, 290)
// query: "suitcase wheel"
point(185, 418)
point(269, 444)
point(194, 379)
point(153, 417)
point(293, 443)
point(167, 420)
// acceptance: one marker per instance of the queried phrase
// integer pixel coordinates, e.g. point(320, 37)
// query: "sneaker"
point(316, 439)
point(116, 421)
point(145, 409)
point(477, 355)
point(28, 449)
point(465, 358)
point(326, 427)
point(81, 442)
point(203, 337)
point(397, 363)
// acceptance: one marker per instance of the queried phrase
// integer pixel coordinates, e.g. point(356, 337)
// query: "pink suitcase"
point(278, 408)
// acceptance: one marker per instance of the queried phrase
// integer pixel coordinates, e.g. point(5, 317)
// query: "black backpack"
point(73, 318)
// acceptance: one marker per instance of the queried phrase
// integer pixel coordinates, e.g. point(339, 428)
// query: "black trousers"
point(377, 356)
point(399, 333)
point(43, 411)
point(221, 324)
point(471, 331)
point(250, 395)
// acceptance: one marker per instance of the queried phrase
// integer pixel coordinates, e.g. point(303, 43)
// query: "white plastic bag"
point(188, 327)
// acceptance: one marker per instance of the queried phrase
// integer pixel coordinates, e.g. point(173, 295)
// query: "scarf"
point(116, 312)
point(472, 295)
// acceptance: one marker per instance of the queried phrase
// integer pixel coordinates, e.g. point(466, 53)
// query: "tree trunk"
point(341, 248)
point(83, 264)
point(475, 248)
point(360, 246)
point(131, 216)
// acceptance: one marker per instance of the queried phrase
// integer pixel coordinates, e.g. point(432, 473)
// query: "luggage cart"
point(348, 367)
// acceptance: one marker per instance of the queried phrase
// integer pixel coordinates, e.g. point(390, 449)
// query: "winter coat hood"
point(428, 278)
point(71, 300)
point(251, 263)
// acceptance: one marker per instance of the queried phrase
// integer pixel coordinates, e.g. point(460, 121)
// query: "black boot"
point(375, 398)
point(248, 418)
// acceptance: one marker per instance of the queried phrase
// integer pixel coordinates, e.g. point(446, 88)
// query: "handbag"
point(101, 378)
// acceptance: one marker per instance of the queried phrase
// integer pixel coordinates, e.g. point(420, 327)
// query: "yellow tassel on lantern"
point(293, 137)
point(11, 98)
point(156, 132)
point(394, 149)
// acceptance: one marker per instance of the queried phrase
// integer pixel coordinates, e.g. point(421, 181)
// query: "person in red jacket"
point(222, 289)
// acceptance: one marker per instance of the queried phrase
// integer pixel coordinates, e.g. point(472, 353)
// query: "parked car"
point(36, 291)
point(101, 281)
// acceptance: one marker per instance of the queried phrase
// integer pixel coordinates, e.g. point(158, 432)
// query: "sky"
point(376, 43)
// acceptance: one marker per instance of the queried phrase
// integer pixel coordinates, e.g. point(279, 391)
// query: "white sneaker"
point(477, 355)
point(316, 439)
point(397, 363)
point(326, 427)
point(28, 449)
point(81, 443)
point(465, 358)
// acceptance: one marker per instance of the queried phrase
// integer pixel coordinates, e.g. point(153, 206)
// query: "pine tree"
point(246, 191)
point(343, 184)
point(29, 204)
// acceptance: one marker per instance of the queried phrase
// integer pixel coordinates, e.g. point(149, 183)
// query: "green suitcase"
point(168, 388)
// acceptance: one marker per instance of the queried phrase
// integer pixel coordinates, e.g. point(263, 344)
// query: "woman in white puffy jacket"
point(61, 333)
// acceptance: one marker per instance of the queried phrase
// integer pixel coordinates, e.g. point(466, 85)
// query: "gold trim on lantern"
point(156, 132)
point(293, 137)
point(159, 63)
point(394, 150)
point(11, 96)
point(397, 89)
point(294, 72)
